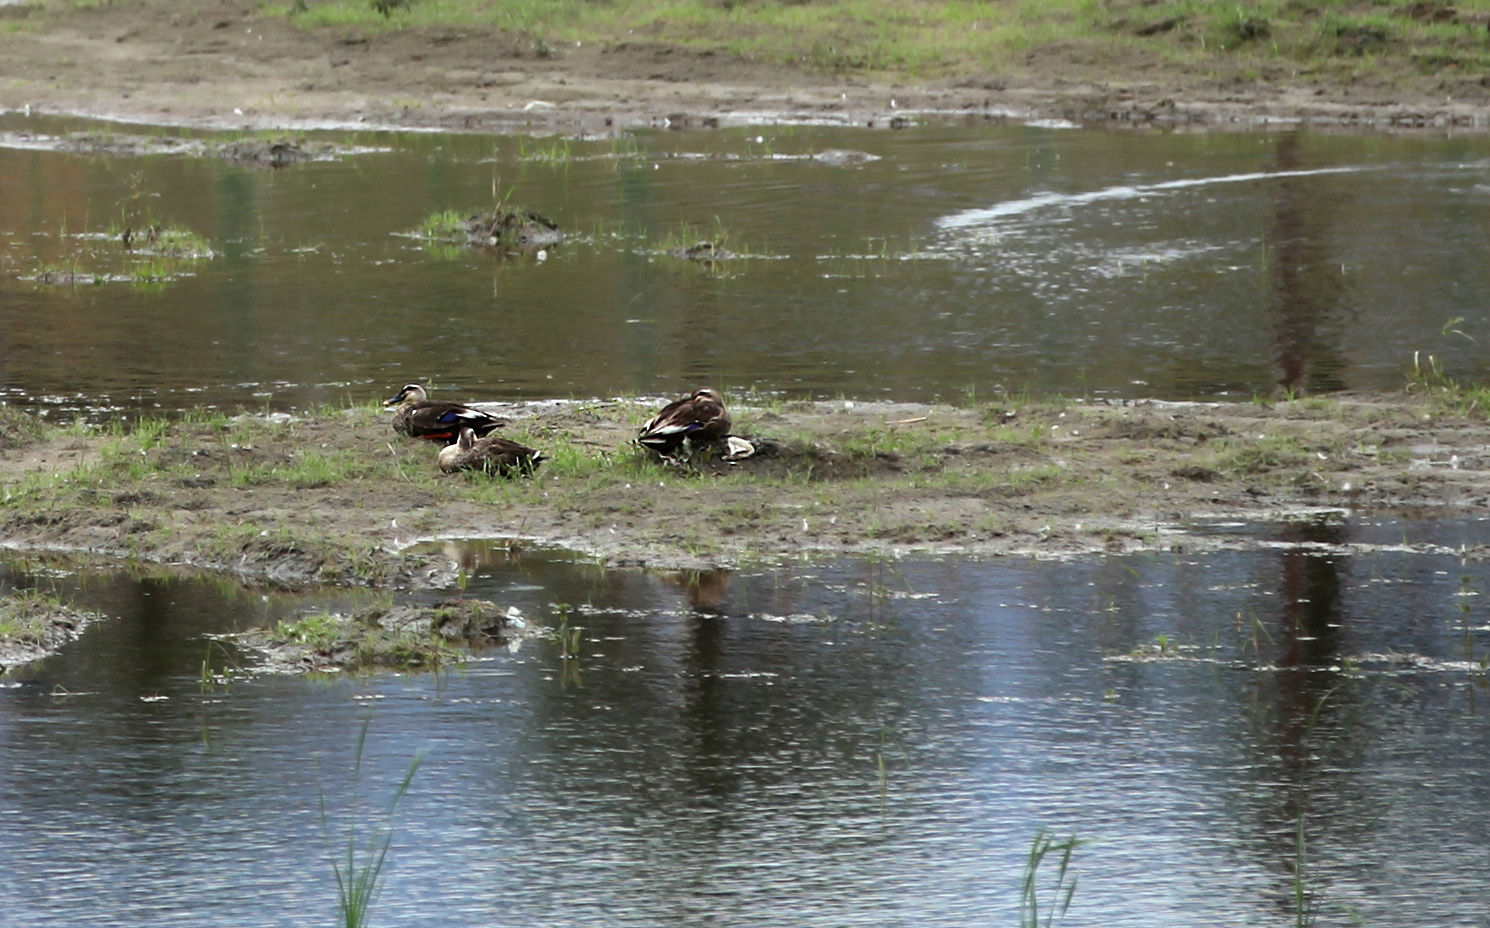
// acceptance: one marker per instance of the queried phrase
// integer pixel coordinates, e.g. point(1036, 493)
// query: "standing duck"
point(418, 416)
point(700, 419)
point(493, 454)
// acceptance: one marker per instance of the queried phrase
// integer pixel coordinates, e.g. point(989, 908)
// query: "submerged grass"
point(146, 256)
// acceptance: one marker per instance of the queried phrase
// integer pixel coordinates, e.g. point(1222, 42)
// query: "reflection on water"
point(964, 259)
point(1308, 286)
point(846, 743)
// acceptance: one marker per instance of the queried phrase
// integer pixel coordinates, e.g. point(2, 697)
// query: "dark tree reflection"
point(1308, 286)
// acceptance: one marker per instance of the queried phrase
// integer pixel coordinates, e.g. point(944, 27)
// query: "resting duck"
point(494, 454)
point(418, 416)
point(700, 419)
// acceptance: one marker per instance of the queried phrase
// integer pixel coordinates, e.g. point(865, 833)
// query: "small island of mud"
point(336, 498)
point(394, 636)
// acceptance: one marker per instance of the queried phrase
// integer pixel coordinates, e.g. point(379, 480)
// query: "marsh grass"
point(316, 630)
point(19, 428)
point(1264, 455)
point(505, 224)
point(165, 242)
point(444, 224)
point(361, 643)
point(221, 672)
point(306, 470)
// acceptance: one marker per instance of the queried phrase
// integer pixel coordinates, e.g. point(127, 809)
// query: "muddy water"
point(962, 259)
point(848, 743)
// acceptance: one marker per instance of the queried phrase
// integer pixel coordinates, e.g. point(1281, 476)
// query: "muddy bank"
point(227, 66)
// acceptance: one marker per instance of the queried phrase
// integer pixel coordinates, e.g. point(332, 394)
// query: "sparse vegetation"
point(382, 634)
point(690, 243)
point(1427, 378)
point(557, 151)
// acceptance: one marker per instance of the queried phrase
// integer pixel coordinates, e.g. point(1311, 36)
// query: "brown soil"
point(222, 65)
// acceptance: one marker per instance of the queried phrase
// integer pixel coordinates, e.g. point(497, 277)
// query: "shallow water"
point(964, 260)
point(845, 743)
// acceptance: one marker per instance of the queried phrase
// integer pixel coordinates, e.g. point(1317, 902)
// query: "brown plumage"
point(699, 419)
point(494, 454)
point(418, 416)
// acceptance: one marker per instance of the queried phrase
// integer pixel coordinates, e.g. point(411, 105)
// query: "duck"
point(699, 419)
point(493, 454)
point(418, 416)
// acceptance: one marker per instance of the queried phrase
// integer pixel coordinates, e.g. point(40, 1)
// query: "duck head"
point(449, 458)
point(409, 393)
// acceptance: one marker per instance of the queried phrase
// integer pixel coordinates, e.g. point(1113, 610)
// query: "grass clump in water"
point(690, 243)
point(148, 255)
point(1062, 886)
point(553, 151)
point(507, 227)
point(359, 871)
